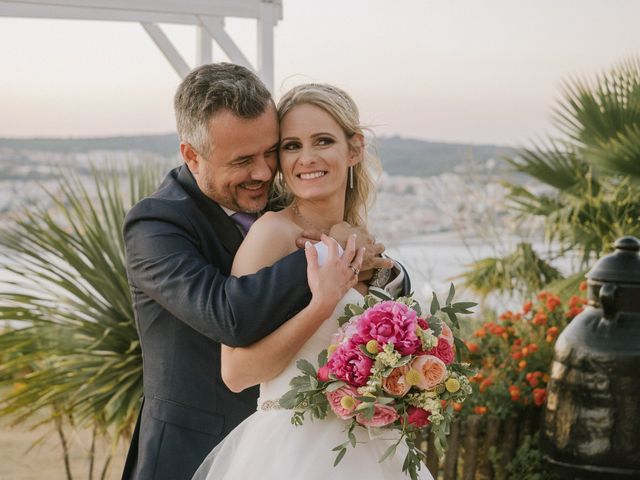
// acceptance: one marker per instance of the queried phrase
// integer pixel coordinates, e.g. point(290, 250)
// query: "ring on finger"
point(355, 270)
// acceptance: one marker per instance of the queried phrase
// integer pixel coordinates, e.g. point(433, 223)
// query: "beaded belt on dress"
point(270, 405)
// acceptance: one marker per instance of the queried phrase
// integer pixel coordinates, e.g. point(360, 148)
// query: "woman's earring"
point(351, 177)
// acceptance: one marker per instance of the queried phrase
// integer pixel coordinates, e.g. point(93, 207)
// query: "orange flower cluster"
point(576, 305)
point(515, 352)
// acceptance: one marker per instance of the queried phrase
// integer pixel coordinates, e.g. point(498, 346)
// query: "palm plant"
point(591, 176)
point(73, 347)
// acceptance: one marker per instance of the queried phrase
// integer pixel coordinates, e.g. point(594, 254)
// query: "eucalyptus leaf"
point(388, 452)
point(435, 305)
point(452, 292)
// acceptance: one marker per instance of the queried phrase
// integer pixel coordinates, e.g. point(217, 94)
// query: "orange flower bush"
point(514, 354)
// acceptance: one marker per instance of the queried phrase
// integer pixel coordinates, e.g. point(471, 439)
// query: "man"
point(180, 244)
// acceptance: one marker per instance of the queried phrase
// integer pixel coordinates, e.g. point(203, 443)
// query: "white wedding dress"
point(267, 446)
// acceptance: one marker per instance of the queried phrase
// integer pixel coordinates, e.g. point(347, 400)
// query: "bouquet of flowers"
point(391, 367)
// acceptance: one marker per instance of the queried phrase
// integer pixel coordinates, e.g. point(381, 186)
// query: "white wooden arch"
point(208, 16)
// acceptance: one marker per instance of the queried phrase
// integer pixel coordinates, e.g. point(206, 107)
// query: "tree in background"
point(70, 347)
point(591, 179)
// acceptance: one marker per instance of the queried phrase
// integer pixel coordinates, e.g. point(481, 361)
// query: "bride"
point(325, 168)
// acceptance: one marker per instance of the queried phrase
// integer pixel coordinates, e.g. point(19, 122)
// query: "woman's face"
point(314, 153)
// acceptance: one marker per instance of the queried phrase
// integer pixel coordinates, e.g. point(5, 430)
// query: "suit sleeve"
point(164, 262)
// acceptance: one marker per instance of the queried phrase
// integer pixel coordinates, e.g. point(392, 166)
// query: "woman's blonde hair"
point(342, 108)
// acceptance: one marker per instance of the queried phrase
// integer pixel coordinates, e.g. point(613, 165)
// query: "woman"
point(326, 176)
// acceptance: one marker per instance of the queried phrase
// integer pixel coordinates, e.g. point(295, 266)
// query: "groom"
point(180, 244)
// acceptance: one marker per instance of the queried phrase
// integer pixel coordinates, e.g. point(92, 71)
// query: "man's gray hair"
point(213, 87)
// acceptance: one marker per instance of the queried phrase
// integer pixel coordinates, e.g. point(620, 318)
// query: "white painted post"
point(215, 27)
point(167, 48)
point(266, 22)
point(204, 47)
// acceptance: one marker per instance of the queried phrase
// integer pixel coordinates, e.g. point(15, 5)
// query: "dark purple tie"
point(245, 220)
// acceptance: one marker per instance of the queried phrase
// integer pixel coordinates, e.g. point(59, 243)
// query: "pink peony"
point(382, 415)
point(348, 363)
point(444, 351)
point(335, 399)
point(418, 417)
point(395, 384)
point(432, 371)
point(393, 322)
point(323, 373)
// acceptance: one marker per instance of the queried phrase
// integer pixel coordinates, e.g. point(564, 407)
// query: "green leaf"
point(381, 294)
point(388, 452)
point(352, 439)
point(366, 399)
point(463, 305)
point(435, 305)
point(340, 456)
point(289, 400)
point(452, 292)
point(306, 367)
point(333, 386)
point(354, 309)
point(322, 358)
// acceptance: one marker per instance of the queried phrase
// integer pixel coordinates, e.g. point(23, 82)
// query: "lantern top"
point(621, 266)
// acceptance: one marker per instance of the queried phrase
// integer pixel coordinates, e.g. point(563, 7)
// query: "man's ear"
point(357, 148)
point(190, 157)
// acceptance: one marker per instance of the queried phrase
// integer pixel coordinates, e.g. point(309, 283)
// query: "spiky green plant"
point(72, 347)
point(591, 175)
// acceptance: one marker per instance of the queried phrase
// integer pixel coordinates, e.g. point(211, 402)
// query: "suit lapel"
point(226, 229)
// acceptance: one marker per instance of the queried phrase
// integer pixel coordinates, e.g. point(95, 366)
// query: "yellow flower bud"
point(412, 377)
point(332, 348)
point(452, 385)
point(372, 346)
point(347, 402)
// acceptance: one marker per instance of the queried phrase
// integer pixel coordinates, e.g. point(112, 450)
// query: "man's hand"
point(372, 259)
point(312, 236)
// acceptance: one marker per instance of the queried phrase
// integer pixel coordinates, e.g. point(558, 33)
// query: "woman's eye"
point(325, 141)
point(289, 146)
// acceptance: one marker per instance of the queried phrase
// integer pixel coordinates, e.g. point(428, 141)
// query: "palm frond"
point(74, 341)
point(521, 271)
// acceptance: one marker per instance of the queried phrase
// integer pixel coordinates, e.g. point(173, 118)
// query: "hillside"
point(399, 156)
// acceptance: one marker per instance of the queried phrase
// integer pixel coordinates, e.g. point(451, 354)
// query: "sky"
point(470, 71)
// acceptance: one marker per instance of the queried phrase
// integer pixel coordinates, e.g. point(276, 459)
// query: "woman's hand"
point(331, 281)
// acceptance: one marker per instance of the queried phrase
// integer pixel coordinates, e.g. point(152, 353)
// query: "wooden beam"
point(215, 27)
point(166, 47)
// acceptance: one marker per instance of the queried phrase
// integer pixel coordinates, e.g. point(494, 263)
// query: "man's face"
point(242, 160)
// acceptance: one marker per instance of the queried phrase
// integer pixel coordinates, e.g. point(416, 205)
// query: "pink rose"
point(446, 333)
point(418, 417)
point(444, 351)
point(390, 322)
point(382, 415)
point(348, 363)
point(335, 401)
point(323, 373)
point(432, 371)
point(395, 384)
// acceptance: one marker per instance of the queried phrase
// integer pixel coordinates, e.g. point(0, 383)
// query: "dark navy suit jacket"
point(180, 247)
